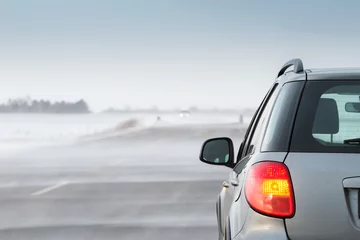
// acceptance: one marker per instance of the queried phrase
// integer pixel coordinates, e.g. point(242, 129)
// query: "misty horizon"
point(30, 105)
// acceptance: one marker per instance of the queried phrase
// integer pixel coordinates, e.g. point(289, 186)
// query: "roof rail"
point(296, 62)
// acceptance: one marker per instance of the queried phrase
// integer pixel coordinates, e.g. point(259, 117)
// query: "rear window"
point(328, 118)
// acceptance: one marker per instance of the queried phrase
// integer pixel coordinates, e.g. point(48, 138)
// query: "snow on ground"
point(28, 131)
point(110, 176)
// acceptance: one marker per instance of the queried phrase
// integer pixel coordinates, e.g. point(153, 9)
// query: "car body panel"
point(258, 227)
point(333, 214)
point(239, 208)
point(223, 204)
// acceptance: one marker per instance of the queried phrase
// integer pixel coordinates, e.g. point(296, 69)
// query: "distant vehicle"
point(297, 171)
point(184, 113)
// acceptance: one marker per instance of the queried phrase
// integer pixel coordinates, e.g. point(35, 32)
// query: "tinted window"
point(279, 128)
point(259, 129)
point(322, 123)
point(253, 132)
point(253, 123)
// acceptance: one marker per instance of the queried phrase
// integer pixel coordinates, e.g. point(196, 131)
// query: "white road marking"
point(49, 189)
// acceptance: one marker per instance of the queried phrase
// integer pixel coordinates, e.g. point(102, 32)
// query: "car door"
point(233, 186)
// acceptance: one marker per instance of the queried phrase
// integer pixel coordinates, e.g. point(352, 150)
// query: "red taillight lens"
point(269, 189)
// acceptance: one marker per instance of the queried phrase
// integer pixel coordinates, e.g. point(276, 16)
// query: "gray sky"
point(168, 53)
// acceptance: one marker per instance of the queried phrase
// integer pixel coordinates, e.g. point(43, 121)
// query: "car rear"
point(323, 164)
point(305, 181)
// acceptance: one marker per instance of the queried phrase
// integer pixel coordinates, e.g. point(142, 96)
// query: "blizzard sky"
point(168, 53)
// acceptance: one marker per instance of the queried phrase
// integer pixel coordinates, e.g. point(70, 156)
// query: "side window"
point(278, 130)
point(256, 138)
point(241, 152)
point(253, 127)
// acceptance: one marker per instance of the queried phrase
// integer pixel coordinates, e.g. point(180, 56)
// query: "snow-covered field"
point(110, 176)
point(27, 131)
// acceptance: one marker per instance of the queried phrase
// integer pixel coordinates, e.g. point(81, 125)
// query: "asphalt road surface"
point(147, 187)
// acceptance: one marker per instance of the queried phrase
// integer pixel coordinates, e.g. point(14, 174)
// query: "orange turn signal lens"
point(276, 187)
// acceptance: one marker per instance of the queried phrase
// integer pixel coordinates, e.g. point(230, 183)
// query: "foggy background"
point(104, 106)
point(167, 53)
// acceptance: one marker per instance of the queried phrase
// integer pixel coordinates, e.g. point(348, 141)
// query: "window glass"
point(328, 118)
point(279, 128)
point(348, 122)
point(259, 128)
point(249, 132)
point(253, 130)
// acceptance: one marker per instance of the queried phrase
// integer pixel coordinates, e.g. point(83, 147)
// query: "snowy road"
point(146, 186)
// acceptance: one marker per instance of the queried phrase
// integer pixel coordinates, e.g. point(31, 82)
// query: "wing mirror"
point(218, 151)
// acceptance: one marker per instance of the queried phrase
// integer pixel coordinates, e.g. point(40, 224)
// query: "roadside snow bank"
point(126, 127)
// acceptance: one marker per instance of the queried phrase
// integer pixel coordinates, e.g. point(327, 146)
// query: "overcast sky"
point(169, 53)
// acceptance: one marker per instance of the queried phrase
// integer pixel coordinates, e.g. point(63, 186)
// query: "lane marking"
point(49, 189)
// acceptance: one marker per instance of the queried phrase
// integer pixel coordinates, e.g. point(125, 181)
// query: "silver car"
point(297, 172)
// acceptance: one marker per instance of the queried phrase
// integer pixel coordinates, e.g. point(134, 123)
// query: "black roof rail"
point(296, 62)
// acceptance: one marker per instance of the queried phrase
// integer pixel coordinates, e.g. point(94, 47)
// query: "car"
point(296, 174)
point(184, 113)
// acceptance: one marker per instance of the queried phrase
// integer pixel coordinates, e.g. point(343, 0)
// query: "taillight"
point(269, 189)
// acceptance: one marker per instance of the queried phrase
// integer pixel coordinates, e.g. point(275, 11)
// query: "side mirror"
point(218, 151)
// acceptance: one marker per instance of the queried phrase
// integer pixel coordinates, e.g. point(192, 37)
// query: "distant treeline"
point(26, 105)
